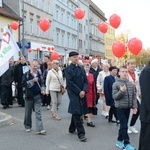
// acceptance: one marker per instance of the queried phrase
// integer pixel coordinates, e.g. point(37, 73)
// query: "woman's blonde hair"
point(131, 61)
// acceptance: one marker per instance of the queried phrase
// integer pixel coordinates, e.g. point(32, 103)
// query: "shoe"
point(73, 132)
point(118, 122)
point(90, 124)
point(111, 121)
point(120, 144)
point(85, 117)
point(57, 118)
point(28, 130)
point(82, 138)
point(42, 132)
point(103, 113)
point(48, 107)
point(129, 147)
point(4, 107)
point(129, 131)
point(133, 130)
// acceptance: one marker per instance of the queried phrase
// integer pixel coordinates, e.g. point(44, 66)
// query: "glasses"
point(57, 63)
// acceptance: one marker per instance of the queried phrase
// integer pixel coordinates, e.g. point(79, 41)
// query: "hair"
point(105, 64)
point(49, 63)
point(54, 61)
point(87, 65)
point(94, 61)
point(112, 67)
point(130, 61)
point(122, 67)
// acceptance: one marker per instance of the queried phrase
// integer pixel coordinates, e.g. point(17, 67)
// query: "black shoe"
point(111, 121)
point(90, 124)
point(4, 107)
point(73, 132)
point(82, 138)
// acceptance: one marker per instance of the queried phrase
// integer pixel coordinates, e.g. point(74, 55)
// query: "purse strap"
point(57, 78)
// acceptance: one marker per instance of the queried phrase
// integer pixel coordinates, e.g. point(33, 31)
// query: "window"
point(80, 43)
point(62, 40)
point(49, 7)
point(62, 17)
point(31, 2)
point(31, 26)
point(37, 4)
point(57, 18)
point(57, 41)
point(38, 29)
point(24, 21)
point(43, 5)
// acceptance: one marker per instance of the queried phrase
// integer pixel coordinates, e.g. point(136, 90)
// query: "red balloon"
point(135, 46)
point(29, 50)
point(14, 25)
point(44, 24)
point(38, 49)
point(118, 49)
point(54, 56)
point(114, 21)
point(103, 27)
point(49, 48)
point(52, 48)
point(79, 13)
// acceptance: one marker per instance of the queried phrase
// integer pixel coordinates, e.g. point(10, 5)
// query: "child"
point(123, 92)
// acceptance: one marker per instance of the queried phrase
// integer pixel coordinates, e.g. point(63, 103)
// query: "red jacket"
point(91, 91)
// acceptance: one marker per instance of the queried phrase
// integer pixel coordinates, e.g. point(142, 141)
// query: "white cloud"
point(134, 16)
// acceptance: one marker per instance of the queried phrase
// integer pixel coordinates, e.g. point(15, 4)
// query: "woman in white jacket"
point(100, 87)
point(53, 80)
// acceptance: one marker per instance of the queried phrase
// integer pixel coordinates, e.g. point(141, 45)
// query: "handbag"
point(94, 109)
point(62, 88)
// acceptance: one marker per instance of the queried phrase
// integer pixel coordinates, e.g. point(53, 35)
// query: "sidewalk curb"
point(6, 119)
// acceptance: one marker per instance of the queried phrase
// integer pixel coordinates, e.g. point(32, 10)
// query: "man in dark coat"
point(6, 85)
point(76, 88)
point(144, 143)
point(18, 74)
point(108, 82)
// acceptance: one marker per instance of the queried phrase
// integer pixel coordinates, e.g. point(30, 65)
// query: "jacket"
point(30, 87)
point(125, 99)
point(52, 82)
point(76, 82)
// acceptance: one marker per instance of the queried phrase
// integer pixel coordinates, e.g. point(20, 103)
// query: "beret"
point(73, 53)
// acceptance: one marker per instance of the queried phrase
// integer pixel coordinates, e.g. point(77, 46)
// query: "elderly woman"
point(53, 80)
point(100, 87)
point(90, 95)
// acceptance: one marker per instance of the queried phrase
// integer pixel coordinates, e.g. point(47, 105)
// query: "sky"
point(134, 14)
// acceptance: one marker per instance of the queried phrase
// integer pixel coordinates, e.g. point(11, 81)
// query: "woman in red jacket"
point(90, 95)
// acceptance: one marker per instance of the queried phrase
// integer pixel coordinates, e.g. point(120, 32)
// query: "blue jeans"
point(123, 116)
point(29, 105)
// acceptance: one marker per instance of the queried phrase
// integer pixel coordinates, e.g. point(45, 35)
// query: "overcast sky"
point(135, 16)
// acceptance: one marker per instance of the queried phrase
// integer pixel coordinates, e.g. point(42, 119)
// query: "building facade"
point(96, 42)
point(109, 40)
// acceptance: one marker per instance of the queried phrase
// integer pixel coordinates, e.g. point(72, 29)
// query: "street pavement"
point(102, 137)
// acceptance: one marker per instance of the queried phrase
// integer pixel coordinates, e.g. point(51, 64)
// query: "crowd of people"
point(86, 82)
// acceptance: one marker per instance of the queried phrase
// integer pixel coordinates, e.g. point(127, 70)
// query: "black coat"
point(18, 74)
point(108, 82)
point(76, 82)
point(145, 91)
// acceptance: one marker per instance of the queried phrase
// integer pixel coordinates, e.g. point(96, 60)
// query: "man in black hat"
point(76, 88)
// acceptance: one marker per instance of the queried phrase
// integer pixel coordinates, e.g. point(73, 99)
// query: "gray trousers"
point(29, 105)
point(55, 101)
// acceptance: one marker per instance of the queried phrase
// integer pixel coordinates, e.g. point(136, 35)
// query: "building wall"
point(109, 40)
point(5, 21)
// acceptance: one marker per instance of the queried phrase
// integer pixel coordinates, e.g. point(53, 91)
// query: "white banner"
point(9, 46)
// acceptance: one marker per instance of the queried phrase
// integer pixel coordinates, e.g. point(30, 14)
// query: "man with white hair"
point(95, 69)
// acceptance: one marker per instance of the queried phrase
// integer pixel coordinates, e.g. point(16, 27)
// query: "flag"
point(9, 48)
point(4, 68)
